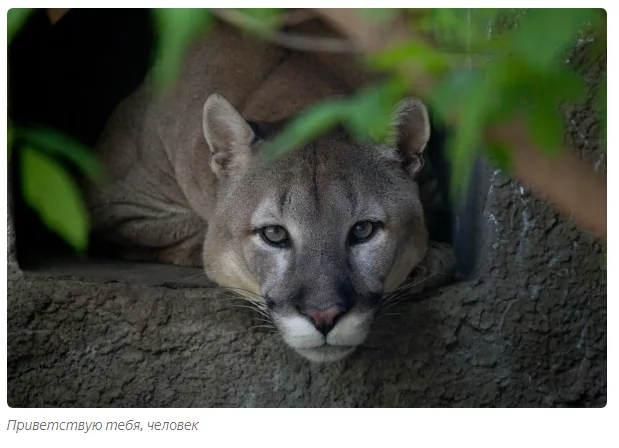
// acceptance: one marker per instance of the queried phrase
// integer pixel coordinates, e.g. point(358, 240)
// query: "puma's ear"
point(412, 127)
point(228, 135)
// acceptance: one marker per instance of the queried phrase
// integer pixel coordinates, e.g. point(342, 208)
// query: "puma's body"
point(185, 188)
point(153, 208)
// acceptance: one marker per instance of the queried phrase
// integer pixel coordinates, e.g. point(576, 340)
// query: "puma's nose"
point(325, 320)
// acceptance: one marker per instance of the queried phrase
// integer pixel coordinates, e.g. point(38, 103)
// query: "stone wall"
point(529, 329)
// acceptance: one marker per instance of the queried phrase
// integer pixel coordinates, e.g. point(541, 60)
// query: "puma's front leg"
point(175, 238)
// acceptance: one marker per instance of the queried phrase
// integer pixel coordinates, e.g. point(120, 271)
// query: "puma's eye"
point(362, 231)
point(275, 235)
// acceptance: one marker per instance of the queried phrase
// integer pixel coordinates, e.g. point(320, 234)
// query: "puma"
point(316, 238)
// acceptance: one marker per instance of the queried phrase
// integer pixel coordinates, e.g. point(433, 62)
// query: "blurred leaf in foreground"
point(308, 125)
point(543, 35)
point(417, 54)
point(370, 112)
point(51, 192)
point(176, 29)
point(543, 114)
point(465, 143)
point(534, 94)
point(499, 154)
point(55, 142)
point(464, 29)
point(16, 18)
point(601, 100)
point(367, 115)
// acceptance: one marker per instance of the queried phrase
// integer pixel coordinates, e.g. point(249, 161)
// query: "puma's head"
point(318, 236)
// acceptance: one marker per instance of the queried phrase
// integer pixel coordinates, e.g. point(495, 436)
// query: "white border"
point(337, 427)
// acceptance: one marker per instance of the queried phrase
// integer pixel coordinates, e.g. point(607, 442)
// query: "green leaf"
point(446, 98)
point(16, 19)
point(545, 126)
point(464, 29)
point(537, 95)
point(464, 97)
point(545, 94)
point(417, 53)
point(601, 101)
point(562, 84)
point(449, 25)
point(463, 148)
point(51, 192)
point(499, 153)
point(176, 27)
point(543, 35)
point(369, 114)
point(59, 144)
point(313, 122)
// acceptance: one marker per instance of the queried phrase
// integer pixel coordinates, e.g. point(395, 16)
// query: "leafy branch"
point(497, 77)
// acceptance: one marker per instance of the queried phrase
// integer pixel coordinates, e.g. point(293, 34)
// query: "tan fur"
point(153, 149)
point(181, 189)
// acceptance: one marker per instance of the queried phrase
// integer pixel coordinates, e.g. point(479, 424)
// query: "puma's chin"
point(326, 353)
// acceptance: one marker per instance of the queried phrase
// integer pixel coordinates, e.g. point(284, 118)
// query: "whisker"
point(259, 311)
point(257, 300)
point(229, 288)
point(395, 302)
point(253, 294)
point(268, 321)
point(199, 274)
point(250, 305)
point(251, 302)
point(403, 289)
point(414, 282)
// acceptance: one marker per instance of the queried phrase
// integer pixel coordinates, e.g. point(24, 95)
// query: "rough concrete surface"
point(529, 330)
